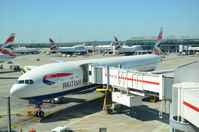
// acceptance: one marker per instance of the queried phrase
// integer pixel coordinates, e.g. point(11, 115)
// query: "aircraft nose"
point(15, 91)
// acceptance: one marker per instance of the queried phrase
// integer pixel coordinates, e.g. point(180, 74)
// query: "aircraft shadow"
point(79, 110)
point(4, 72)
point(144, 113)
point(90, 90)
point(8, 77)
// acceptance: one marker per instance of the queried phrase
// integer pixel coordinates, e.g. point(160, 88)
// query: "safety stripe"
point(137, 80)
point(191, 106)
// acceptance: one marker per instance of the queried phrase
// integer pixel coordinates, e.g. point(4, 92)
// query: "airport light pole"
point(9, 115)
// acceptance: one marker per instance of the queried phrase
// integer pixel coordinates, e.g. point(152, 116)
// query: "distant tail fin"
point(156, 49)
point(111, 44)
point(8, 42)
point(53, 45)
point(7, 52)
point(118, 44)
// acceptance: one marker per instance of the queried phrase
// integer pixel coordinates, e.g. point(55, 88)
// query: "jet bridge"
point(129, 86)
point(127, 83)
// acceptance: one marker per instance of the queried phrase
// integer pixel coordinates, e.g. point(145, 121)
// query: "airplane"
point(78, 49)
point(123, 49)
point(4, 57)
point(26, 51)
point(58, 79)
point(6, 49)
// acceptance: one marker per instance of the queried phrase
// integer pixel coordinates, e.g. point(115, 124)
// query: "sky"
point(100, 20)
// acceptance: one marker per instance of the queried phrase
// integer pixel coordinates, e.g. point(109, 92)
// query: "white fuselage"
point(26, 50)
point(56, 79)
point(71, 50)
point(4, 57)
point(127, 49)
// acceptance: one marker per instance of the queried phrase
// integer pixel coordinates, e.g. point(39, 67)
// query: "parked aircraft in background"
point(57, 79)
point(78, 49)
point(123, 49)
point(6, 49)
point(26, 51)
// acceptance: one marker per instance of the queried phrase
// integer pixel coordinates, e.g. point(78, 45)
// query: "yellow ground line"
point(24, 122)
point(136, 125)
point(15, 114)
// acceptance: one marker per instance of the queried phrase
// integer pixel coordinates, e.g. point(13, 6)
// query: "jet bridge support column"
point(107, 95)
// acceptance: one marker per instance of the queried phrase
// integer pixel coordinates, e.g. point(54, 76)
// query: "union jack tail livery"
point(8, 42)
point(7, 48)
point(118, 44)
point(7, 52)
point(53, 45)
point(156, 49)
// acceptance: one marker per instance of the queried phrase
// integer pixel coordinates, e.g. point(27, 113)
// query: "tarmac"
point(81, 111)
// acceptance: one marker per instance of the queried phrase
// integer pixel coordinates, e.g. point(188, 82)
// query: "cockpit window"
point(24, 81)
point(20, 81)
point(31, 81)
point(27, 81)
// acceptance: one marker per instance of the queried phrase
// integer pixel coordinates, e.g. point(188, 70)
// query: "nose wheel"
point(39, 112)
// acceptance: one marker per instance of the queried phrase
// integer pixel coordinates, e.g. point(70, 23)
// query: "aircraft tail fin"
point(156, 49)
point(8, 42)
point(118, 43)
point(7, 52)
point(53, 45)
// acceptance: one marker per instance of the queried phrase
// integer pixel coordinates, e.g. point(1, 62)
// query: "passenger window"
point(31, 81)
point(27, 81)
point(20, 81)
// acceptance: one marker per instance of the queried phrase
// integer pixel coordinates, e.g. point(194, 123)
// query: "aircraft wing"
point(171, 70)
point(57, 60)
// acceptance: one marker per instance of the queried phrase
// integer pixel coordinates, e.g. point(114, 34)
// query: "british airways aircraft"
point(6, 49)
point(78, 49)
point(57, 79)
point(123, 49)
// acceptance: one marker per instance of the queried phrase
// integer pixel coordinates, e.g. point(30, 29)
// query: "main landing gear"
point(39, 112)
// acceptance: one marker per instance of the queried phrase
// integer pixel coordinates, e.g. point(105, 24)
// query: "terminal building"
point(168, 44)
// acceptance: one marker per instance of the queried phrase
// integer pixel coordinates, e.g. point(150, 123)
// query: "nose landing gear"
point(39, 112)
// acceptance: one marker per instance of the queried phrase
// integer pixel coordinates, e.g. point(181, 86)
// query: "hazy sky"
point(88, 20)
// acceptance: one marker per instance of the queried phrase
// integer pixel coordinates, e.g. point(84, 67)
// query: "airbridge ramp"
point(128, 88)
point(132, 82)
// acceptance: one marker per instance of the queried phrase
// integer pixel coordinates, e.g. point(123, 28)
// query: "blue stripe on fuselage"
point(54, 95)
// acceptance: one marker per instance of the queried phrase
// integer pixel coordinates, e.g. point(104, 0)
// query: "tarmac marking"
point(24, 122)
point(159, 128)
point(81, 119)
point(129, 122)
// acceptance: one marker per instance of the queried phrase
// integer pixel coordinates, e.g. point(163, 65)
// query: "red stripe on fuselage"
point(56, 75)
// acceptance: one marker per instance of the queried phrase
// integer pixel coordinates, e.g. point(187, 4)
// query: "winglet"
point(156, 49)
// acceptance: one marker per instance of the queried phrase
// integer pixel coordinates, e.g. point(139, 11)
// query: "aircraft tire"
point(40, 114)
